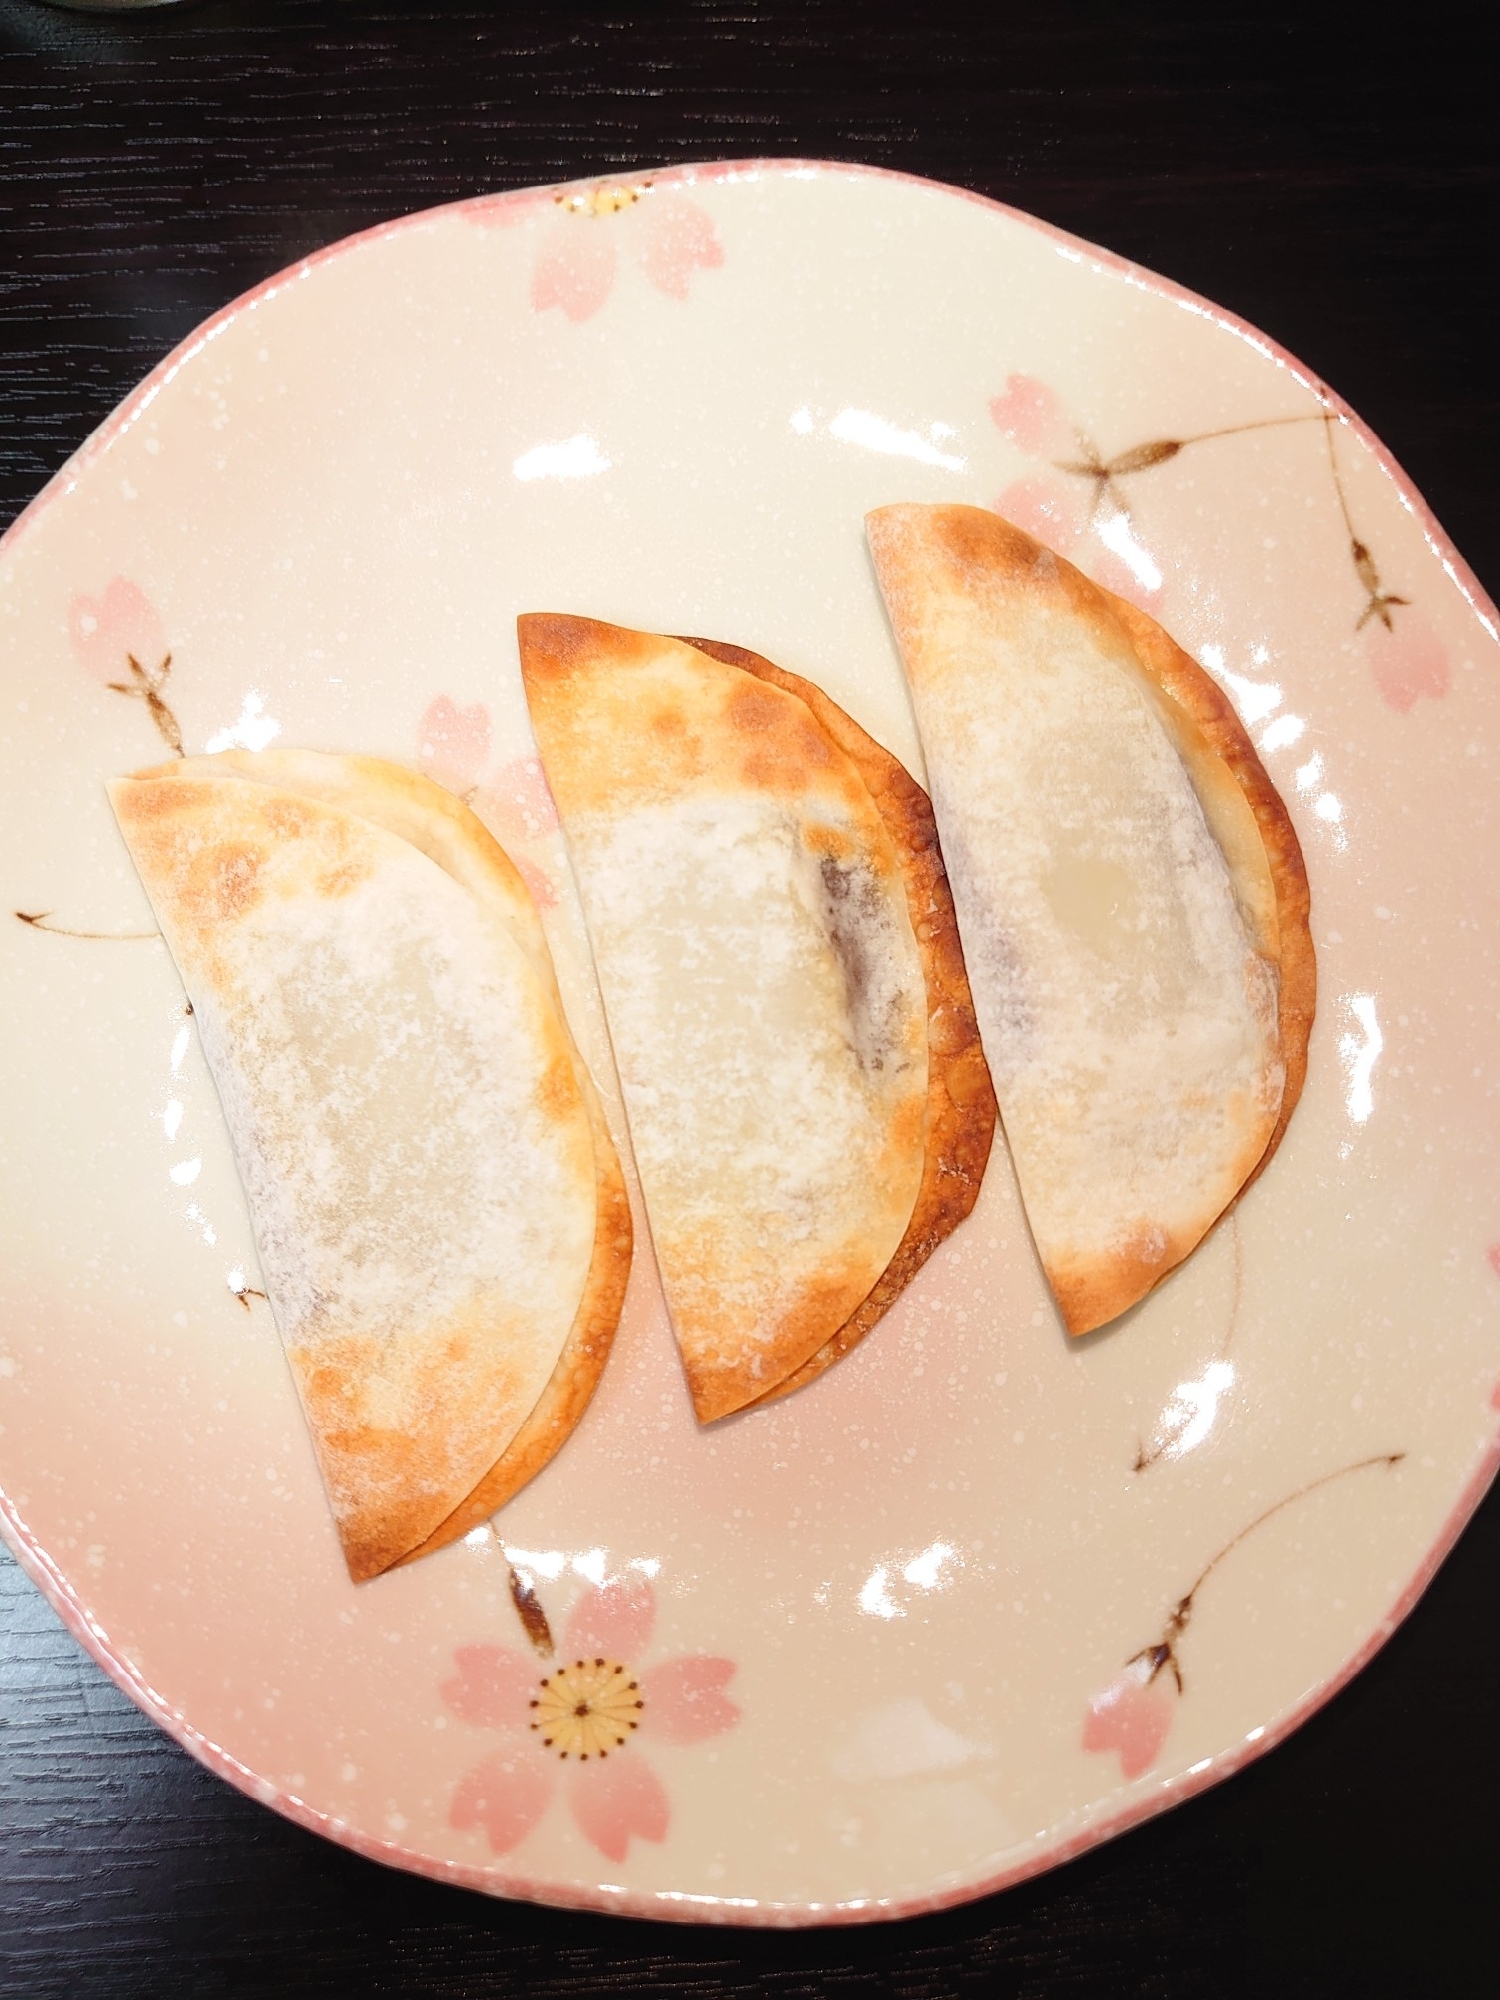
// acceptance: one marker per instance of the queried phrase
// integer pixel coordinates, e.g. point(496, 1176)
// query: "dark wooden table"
point(1336, 185)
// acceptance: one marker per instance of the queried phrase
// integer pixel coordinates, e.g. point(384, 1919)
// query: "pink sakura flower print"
point(1059, 518)
point(583, 1724)
point(1406, 657)
point(667, 234)
point(515, 804)
point(118, 625)
point(119, 637)
point(1030, 413)
point(1131, 1716)
point(1085, 516)
point(1054, 513)
point(454, 743)
point(1493, 1255)
point(1080, 515)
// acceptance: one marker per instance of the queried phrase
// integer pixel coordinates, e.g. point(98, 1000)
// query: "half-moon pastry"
point(441, 1218)
point(960, 1101)
point(762, 983)
point(1129, 889)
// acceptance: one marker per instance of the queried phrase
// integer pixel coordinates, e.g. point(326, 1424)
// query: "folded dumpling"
point(442, 1223)
point(961, 1110)
point(1130, 893)
point(763, 985)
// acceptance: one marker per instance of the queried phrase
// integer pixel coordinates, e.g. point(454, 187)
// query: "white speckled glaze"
point(934, 1608)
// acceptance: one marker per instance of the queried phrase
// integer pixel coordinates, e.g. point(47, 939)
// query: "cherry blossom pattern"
point(1405, 656)
point(514, 801)
point(454, 743)
point(1030, 413)
point(1090, 505)
point(1406, 660)
point(1090, 527)
point(668, 235)
point(119, 637)
point(583, 1724)
point(1131, 1715)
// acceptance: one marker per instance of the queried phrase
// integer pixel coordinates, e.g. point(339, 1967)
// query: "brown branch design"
point(1104, 474)
point(146, 684)
point(1378, 602)
point(529, 1610)
point(41, 920)
point(1163, 1654)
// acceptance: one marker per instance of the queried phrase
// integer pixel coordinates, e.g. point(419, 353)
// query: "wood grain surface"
point(1333, 183)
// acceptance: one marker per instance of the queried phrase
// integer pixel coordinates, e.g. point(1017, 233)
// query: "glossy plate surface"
point(979, 1597)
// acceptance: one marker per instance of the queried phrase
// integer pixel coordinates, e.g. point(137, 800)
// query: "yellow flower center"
point(606, 199)
point(588, 1709)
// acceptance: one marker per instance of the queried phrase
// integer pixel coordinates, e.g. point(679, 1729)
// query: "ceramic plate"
point(981, 1596)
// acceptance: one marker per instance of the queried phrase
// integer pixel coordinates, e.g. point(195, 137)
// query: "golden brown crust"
point(981, 541)
point(579, 1366)
point(721, 1389)
point(1090, 1294)
point(961, 1111)
point(408, 1466)
point(646, 731)
point(968, 556)
point(410, 805)
point(453, 836)
point(627, 719)
point(413, 808)
point(1205, 703)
